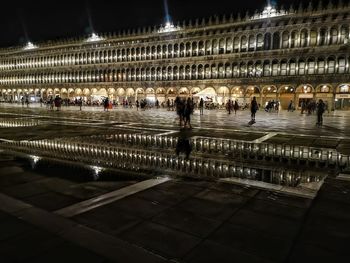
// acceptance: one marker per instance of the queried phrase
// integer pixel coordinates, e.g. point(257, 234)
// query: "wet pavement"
point(62, 207)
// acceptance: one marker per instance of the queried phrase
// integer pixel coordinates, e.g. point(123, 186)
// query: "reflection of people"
point(183, 144)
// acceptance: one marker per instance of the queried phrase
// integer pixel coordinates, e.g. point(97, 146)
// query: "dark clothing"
point(254, 108)
point(320, 110)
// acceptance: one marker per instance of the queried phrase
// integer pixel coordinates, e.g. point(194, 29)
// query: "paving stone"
point(304, 252)
point(18, 178)
point(28, 244)
point(161, 196)
point(208, 209)
point(222, 197)
point(68, 252)
point(107, 220)
point(253, 242)
point(209, 251)
point(137, 207)
point(186, 221)
point(162, 240)
point(12, 227)
point(327, 233)
point(284, 199)
point(273, 225)
point(51, 201)
point(25, 190)
point(235, 189)
point(178, 188)
point(273, 208)
point(10, 170)
point(330, 207)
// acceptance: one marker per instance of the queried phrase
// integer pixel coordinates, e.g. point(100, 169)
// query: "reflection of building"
point(289, 55)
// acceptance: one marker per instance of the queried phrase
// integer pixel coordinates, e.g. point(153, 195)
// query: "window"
point(301, 68)
point(341, 65)
point(283, 68)
point(275, 68)
point(251, 43)
point(311, 67)
point(344, 89)
point(320, 67)
point(324, 89)
point(331, 66)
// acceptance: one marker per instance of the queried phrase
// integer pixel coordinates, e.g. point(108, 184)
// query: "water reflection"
point(177, 161)
point(183, 144)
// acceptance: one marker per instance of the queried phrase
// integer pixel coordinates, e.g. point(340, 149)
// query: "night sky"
point(52, 19)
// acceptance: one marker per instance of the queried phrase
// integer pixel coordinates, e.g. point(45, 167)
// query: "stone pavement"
point(183, 220)
point(124, 218)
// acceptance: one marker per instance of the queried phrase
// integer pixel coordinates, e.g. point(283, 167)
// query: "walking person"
point(253, 109)
point(235, 107)
point(320, 110)
point(201, 106)
point(137, 105)
point(187, 113)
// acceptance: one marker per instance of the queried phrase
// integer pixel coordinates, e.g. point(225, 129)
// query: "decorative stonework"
point(168, 27)
point(94, 38)
point(270, 11)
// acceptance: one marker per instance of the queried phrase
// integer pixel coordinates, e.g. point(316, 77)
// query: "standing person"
point(27, 101)
point(302, 106)
point(80, 103)
point(168, 104)
point(326, 108)
point(58, 102)
point(290, 106)
point(201, 106)
point(320, 110)
point(187, 113)
point(137, 105)
point(105, 104)
point(22, 100)
point(228, 106)
point(253, 109)
point(51, 103)
point(235, 107)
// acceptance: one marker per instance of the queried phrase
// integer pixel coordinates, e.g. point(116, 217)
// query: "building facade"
point(295, 55)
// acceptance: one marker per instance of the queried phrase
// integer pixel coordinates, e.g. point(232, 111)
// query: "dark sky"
point(51, 19)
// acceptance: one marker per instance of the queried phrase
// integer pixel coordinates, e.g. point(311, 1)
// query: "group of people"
point(184, 110)
point(272, 105)
point(51, 103)
point(311, 106)
point(232, 106)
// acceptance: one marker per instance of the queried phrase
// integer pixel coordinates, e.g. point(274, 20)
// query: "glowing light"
point(168, 27)
point(97, 171)
point(29, 46)
point(270, 11)
point(94, 38)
